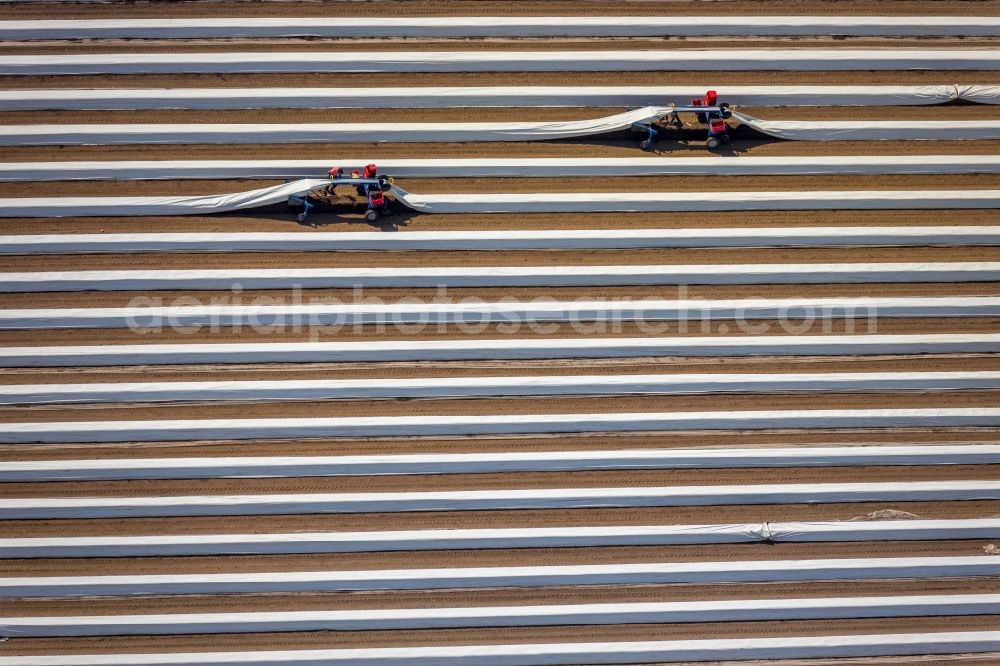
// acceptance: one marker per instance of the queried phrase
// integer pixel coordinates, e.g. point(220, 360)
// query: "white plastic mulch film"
point(520, 313)
point(495, 462)
point(498, 276)
point(874, 130)
point(461, 132)
point(492, 350)
point(489, 96)
point(467, 387)
point(565, 654)
point(504, 616)
point(516, 167)
point(693, 60)
point(56, 508)
point(504, 26)
point(579, 202)
point(492, 577)
point(169, 545)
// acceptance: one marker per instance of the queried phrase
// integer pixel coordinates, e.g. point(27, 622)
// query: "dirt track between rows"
point(297, 8)
point(333, 333)
point(490, 558)
point(510, 444)
point(375, 522)
point(419, 79)
point(666, 366)
point(516, 405)
point(638, 478)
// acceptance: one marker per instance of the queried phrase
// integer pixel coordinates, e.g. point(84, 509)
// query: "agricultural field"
point(657, 331)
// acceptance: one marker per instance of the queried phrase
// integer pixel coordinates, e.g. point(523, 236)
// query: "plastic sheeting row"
point(515, 167)
point(173, 545)
point(873, 130)
point(503, 26)
point(578, 202)
point(501, 240)
point(561, 654)
point(514, 314)
point(55, 508)
point(491, 96)
point(464, 132)
point(729, 610)
point(484, 387)
point(692, 60)
point(492, 577)
point(496, 462)
point(496, 276)
point(499, 349)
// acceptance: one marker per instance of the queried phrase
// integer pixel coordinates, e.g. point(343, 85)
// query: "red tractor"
point(367, 184)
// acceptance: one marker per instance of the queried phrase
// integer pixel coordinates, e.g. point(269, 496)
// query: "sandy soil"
point(356, 80)
point(666, 366)
point(505, 8)
point(584, 442)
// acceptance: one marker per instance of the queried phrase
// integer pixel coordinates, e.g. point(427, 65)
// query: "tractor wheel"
point(712, 143)
point(371, 215)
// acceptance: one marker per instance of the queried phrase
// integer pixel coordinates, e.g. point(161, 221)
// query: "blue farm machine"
point(707, 110)
point(366, 184)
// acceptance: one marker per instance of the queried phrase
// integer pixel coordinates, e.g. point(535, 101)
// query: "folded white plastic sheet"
point(235, 133)
point(517, 167)
point(577, 202)
point(562, 654)
point(504, 616)
point(492, 577)
point(495, 462)
point(497, 276)
point(874, 130)
point(491, 96)
point(504, 26)
point(501, 349)
point(692, 60)
point(493, 500)
point(469, 387)
point(170, 545)
point(334, 316)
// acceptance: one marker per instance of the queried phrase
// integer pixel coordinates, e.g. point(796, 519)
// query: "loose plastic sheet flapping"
point(562, 654)
point(492, 577)
point(491, 96)
point(578, 202)
point(235, 133)
point(517, 167)
point(491, 350)
point(514, 314)
point(873, 130)
point(504, 616)
point(496, 276)
point(503, 26)
point(467, 387)
point(169, 545)
point(475, 500)
point(692, 60)
point(495, 462)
